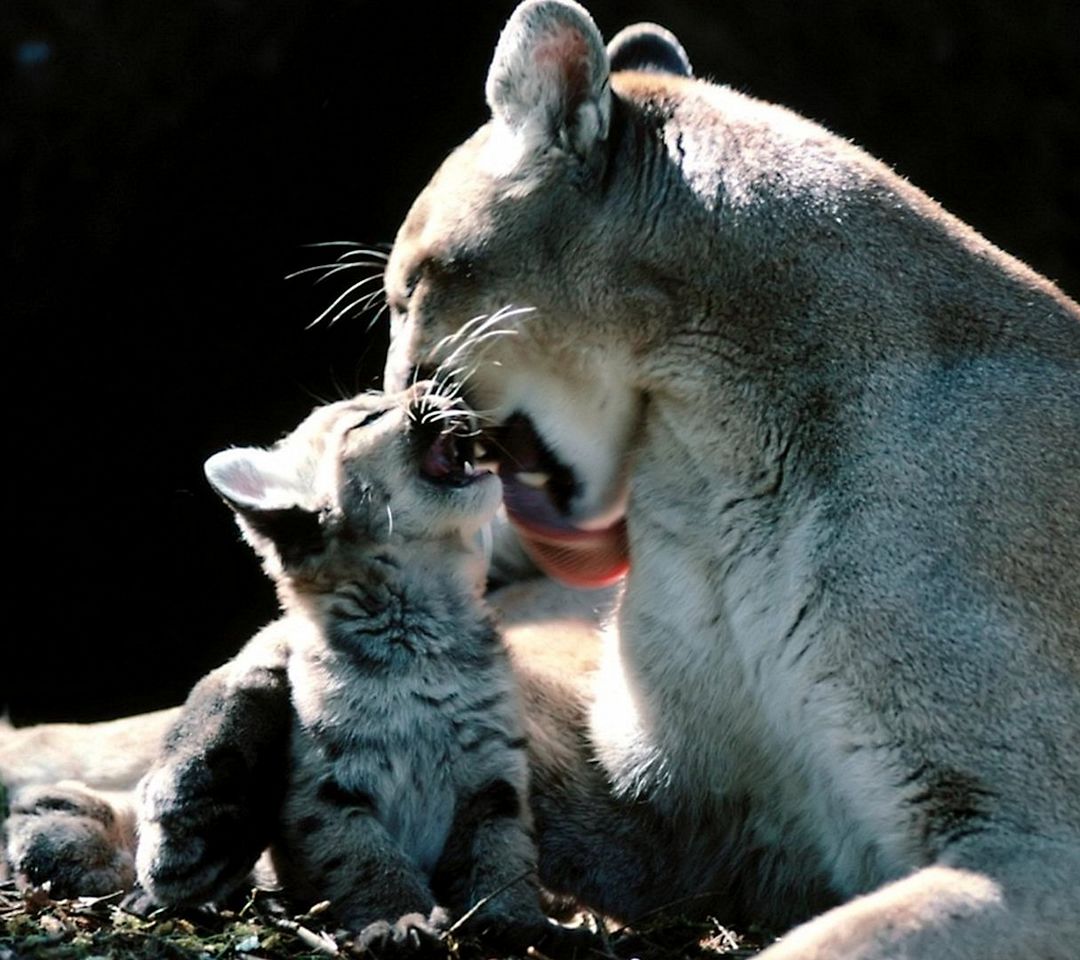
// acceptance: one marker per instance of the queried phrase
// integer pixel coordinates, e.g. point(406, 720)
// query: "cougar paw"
point(70, 839)
point(410, 934)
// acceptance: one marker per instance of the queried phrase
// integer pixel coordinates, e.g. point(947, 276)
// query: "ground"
point(33, 926)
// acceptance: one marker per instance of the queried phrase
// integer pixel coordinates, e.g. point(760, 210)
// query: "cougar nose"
point(401, 376)
point(399, 371)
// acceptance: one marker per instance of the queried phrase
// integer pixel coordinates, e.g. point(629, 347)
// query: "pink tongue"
point(586, 564)
point(576, 557)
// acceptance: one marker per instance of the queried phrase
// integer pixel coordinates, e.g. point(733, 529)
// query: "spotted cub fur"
point(393, 778)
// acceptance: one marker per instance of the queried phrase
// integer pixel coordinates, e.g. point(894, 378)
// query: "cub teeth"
point(536, 479)
point(469, 468)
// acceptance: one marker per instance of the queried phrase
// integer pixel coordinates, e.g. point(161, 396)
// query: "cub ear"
point(648, 47)
point(269, 499)
point(549, 76)
point(251, 479)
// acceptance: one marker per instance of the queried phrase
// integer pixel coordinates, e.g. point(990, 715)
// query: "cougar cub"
point(399, 748)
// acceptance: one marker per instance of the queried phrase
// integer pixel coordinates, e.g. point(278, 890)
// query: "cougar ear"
point(548, 81)
point(648, 47)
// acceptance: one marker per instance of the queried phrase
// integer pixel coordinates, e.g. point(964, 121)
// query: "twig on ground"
point(663, 908)
point(321, 942)
point(482, 902)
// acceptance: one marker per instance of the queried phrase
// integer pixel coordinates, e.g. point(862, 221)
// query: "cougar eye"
point(369, 419)
point(398, 295)
point(398, 303)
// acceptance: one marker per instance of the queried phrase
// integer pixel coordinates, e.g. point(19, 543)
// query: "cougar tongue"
point(533, 484)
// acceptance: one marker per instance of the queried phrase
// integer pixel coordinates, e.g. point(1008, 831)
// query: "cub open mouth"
point(537, 490)
point(450, 460)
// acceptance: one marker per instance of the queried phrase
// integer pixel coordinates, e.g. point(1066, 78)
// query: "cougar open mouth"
point(537, 491)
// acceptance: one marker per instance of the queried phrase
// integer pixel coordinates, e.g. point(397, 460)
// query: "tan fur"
point(552, 629)
point(844, 685)
point(847, 666)
point(111, 755)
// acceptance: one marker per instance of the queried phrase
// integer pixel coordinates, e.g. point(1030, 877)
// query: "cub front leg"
point(209, 805)
point(490, 865)
point(333, 847)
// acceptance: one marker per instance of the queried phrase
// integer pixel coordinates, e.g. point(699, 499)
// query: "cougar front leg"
point(208, 807)
point(999, 899)
point(72, 838)
point(69, 789)
point(618, 856)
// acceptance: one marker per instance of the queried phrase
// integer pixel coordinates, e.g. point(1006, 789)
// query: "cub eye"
point(369, 419)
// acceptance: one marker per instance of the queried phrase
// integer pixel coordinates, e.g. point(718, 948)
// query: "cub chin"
point(392, 779)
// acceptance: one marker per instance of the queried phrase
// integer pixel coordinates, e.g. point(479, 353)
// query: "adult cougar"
point(835, 436)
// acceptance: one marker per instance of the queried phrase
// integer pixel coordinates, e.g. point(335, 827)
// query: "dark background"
point(165, 161)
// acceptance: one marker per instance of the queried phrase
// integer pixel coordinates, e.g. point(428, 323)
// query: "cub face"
point(376, 469)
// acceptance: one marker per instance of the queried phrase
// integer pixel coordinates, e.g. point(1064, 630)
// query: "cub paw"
point(193, 846)
point(514, 935)
point(138, 902)
point(409, 935)
point(70, 838)
point(565, 942)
